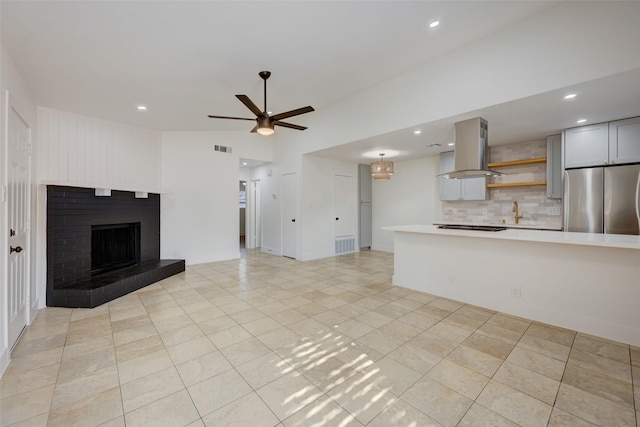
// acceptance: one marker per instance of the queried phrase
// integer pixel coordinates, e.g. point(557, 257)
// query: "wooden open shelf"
point(516, 184)
point(518, 162)
point(521, 162)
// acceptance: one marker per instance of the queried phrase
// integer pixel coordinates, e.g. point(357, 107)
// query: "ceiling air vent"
point(222, 148)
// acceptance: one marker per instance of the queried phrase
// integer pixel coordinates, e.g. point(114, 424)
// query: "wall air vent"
point(345, 245)
point(222, 148)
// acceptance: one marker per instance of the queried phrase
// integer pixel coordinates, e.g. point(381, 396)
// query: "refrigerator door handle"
point(565, 202)
point(638, 200)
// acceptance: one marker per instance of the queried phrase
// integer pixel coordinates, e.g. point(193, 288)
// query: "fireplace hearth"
point(100, 248)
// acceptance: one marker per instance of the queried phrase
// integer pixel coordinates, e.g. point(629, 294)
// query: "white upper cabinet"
point(473, 188)
point(449, 188)
point(460, 189)
point(586, 146)
point(603, 144)
point(624, 141)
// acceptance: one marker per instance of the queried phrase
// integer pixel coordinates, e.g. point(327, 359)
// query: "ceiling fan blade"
point(250, 105)
point(292, 113)
point(255, 129)
point(232, 118)
point(288, 125)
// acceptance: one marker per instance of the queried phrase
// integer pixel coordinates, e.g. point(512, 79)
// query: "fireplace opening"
point(114, 246)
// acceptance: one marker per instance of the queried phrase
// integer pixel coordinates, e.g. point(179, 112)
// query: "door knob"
point(17, 249)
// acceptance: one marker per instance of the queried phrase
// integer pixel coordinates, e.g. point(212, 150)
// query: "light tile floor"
point(270, 341)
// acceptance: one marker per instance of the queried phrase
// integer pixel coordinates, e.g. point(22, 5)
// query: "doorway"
point(19, 221)
point(250, 220)
point(254, 215)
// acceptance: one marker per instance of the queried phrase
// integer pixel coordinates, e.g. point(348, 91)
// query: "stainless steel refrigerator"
point(602, 200)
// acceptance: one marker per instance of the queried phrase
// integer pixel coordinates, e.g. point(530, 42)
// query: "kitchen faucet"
point(515, 209)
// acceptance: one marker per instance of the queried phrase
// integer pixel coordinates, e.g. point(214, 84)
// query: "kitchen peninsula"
point(588, 282)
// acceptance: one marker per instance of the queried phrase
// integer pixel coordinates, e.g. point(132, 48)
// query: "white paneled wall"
point(88, 152)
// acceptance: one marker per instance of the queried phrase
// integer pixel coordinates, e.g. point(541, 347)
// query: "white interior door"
point(344, 203)
point(254, 206)
point(19, 197)
point(289, 202)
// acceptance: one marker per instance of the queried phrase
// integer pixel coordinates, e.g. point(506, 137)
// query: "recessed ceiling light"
point(244, 163)
point(451, 144)
point(434, 24)
point(581, 120)
point(570, 96)
point(417, 132)
point(142, 107)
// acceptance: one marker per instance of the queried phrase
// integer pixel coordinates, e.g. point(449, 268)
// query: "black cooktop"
point(472, 227)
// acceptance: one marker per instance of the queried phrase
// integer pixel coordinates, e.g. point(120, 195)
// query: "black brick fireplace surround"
point(71, 214)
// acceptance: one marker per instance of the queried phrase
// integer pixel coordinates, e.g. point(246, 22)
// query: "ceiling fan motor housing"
point(265, 121)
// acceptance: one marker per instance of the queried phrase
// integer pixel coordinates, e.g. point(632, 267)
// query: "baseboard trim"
point(382, 248)
point(4, 361)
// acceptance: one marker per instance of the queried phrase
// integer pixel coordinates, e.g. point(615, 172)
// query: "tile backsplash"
point(537, 209)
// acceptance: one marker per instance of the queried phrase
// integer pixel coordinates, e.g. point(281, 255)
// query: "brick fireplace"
point(100, 248)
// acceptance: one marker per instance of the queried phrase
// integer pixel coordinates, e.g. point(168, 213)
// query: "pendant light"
point(382, 169)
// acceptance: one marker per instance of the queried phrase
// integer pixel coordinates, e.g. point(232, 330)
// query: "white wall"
point(85, 151)
point(11, 82)
point(244, 174)
point(411, 196)
point(316, 205)
point(199, 204)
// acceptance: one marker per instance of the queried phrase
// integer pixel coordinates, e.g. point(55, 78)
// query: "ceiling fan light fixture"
point(382, 169)
point(265, 131)
point(265, 126)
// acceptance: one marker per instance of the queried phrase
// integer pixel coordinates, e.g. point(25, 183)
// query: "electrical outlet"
point(452, 281)
point(516, 292)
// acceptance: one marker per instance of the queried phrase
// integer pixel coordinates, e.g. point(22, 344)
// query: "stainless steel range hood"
point(470, 155)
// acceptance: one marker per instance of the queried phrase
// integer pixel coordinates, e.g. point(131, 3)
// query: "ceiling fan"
point(266, 122)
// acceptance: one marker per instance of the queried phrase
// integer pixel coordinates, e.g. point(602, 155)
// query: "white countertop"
point(542, 236)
